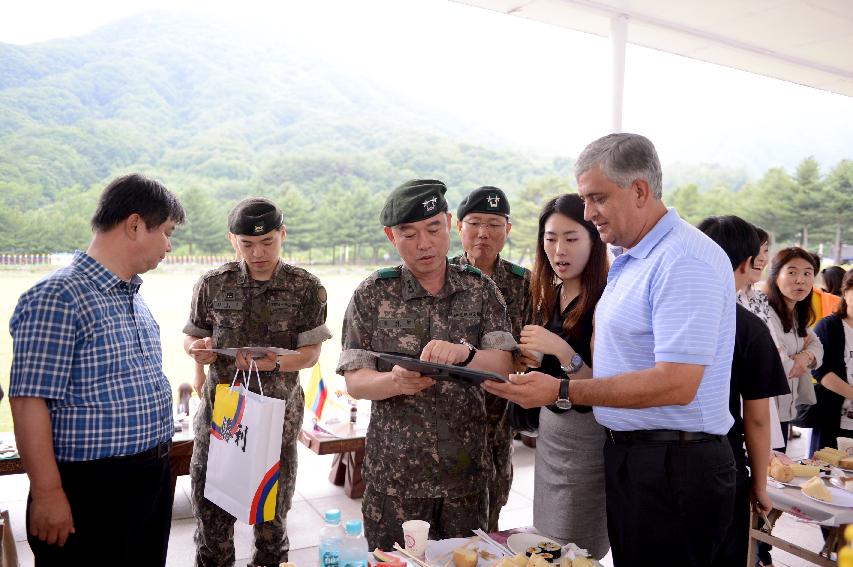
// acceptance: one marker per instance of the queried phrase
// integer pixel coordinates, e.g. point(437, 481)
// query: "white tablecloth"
point(794, 502)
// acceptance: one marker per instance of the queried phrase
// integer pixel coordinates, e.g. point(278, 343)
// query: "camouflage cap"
point(414, 200)
point(254, 216)
point(484, 200)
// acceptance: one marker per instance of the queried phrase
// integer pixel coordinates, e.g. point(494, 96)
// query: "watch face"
point(563, 404)
point(577, 362)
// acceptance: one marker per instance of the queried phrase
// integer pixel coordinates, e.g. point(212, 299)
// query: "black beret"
point(484, 200)
point(414, 200)
point(254, 216)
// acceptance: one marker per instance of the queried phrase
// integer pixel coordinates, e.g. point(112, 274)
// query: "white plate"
point(518, 543)
point(440, 552)
point(840, 497)
point(839, 482)
point(795, 483)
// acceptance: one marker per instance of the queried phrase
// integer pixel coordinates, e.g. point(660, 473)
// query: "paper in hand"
point(255, 351)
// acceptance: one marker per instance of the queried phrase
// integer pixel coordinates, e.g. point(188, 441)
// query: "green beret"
point(254, 216)
point(414, 200)
point(484, 200)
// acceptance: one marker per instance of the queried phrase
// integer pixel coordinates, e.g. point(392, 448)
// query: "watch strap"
point(472, 351)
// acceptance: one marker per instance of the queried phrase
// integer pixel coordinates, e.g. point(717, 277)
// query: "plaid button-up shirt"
point(85, 341)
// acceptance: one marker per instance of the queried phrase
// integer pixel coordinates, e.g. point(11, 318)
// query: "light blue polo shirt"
point(670, 298)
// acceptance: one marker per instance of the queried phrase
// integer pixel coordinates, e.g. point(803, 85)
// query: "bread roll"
point(782, 473)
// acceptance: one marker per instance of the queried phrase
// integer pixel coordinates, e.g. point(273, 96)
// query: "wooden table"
point(791, 500)
point(347, 444)
point(348, 449)
point(179, 457)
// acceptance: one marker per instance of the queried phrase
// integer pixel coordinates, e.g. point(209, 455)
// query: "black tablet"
point(466, 376)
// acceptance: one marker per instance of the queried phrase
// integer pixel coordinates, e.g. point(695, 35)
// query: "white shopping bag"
point(245, 447)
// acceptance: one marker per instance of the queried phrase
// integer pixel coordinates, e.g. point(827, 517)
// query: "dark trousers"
point(733, 551)
point(122, 512)
point(448, 517)
point(674, 498)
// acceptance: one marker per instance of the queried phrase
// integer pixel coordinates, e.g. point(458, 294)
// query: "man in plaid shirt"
point(91, 405)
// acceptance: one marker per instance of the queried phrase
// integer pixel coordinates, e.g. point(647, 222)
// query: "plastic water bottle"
point(354, 550)
point(331, 539)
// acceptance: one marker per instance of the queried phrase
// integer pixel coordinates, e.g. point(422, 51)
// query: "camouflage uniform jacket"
point(288, 311)
point(431, 444)
point(514, 283)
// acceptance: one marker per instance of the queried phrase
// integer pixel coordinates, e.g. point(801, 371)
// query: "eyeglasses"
point(491, 226)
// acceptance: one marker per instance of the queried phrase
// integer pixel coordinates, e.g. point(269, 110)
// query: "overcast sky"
point(533, 85)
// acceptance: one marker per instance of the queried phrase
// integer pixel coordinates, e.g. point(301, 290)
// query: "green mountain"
point(208, 108)
point(219, 112)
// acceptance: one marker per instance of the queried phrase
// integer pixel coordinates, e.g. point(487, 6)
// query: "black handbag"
point(821, 413)
point(522, 419)
point(808, 415)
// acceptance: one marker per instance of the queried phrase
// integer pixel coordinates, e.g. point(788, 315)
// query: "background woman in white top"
point(789, 292)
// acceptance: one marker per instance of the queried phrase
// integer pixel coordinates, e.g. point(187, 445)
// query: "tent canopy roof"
point(809, 42)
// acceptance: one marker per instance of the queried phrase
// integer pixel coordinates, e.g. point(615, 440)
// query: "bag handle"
point(247, 375)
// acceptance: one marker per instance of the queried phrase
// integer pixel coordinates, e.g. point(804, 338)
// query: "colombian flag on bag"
point(243, 465)
point(315, 399)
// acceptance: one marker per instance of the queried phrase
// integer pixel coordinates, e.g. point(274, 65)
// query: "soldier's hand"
point(243, 361)
point(265, 364)
point(409, 382)
point(202, 357)
point(444, 352)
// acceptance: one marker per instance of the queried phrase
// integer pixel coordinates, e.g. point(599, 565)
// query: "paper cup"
point(845, 444)
point(415, 533)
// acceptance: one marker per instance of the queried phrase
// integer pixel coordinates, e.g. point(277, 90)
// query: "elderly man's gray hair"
point(623, 158)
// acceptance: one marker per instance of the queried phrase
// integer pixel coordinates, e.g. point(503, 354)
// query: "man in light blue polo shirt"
point(664, 336)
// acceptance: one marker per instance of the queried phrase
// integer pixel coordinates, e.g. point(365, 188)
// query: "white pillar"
point(618, 37)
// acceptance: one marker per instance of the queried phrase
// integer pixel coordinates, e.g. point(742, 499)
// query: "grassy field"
point(167, 291)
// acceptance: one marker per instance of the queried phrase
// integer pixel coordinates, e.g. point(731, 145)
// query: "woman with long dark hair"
point(789, 293)
point(568, 277)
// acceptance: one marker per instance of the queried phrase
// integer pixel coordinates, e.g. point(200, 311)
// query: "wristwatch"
point(472, 350)
point(574, 365)
point(563, 402)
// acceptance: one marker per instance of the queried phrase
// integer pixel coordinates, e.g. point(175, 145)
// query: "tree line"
point(338, 221)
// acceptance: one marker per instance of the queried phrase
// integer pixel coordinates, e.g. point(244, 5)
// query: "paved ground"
point(314, 495)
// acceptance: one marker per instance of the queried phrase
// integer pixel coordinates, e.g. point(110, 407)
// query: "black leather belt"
point(659, 436)
point(154, 453)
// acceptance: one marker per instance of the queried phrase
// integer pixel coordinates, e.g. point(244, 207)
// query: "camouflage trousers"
point(214, 535)
point(500, 447)
point(499, 439)
point(448, 517)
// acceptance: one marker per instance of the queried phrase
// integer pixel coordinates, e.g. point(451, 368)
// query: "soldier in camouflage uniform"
point(426, 455)
point(482, 220)
point(258, 301)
